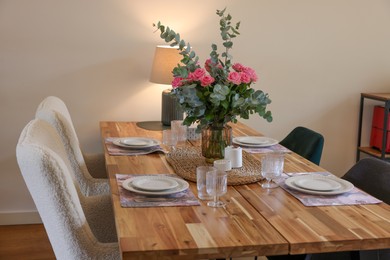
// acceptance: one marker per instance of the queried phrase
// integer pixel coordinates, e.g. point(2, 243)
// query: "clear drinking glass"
point(216, 186)
point(201, 173)
point(180, 129)
point(271, 168)
point(169, 139)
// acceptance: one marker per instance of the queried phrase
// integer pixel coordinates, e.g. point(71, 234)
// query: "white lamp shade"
point(165, 59)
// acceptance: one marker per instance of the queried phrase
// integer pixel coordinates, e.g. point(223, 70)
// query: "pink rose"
point(206, 80)
point(234, 77)
point(238, 67)
point(252, 74)
point(177, 82)
point(197, 74)
point(245, 77)
point(209, 64)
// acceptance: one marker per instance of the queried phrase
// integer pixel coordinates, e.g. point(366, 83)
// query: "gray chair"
point(54, 111)
point(372, 176)
point(78, 227)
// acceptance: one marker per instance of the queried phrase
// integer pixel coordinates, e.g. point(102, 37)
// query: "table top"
point(254, 222)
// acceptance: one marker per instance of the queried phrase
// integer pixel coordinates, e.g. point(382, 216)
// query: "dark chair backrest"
point(305, 142)
point(373, 176)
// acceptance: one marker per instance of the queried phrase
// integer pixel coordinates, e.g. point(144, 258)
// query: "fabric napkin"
point(116, 150)
point(353, 197)
point(130, 199)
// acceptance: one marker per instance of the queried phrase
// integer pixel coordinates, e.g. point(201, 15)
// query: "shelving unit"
point(384, 97)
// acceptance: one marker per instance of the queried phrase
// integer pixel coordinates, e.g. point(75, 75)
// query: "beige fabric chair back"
point(54, 111)
point(43, 163)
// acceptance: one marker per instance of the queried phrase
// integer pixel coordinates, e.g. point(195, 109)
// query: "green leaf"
point(228, 44)
point(177, 38)
point(182, 44)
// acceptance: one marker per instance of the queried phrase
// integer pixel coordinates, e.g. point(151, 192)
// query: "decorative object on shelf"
point(220, 91)
point(379, 139)
point(377, 130)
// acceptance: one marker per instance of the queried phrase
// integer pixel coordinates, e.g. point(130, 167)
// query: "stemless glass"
point(169, 139)
point(180, 129)
point(201, 174)
point(216, 186)
point(271, 168)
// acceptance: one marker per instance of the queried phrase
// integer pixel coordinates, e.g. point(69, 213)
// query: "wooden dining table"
point(254, 222)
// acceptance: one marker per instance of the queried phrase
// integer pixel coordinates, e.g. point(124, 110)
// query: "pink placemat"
point(130, 199)
point(353, 197)
point(116, 150)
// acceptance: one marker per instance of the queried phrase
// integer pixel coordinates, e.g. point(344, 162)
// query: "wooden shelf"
point(373, 152)
point(377, 96)
point(384, 97)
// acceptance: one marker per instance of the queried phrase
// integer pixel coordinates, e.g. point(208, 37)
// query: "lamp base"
point(170, 108)
point(152, 125)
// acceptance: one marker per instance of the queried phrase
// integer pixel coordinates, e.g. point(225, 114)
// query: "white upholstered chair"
point(78, 227)
point(54, 111)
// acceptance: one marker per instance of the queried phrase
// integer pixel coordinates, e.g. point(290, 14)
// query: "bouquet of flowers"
point(218, 92)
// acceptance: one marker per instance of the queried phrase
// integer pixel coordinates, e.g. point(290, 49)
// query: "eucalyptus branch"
point(228, 32)
point(220, 91)
point(190, 59)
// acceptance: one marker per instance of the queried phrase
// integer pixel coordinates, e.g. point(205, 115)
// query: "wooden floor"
point(25, 242)
point(28, 242)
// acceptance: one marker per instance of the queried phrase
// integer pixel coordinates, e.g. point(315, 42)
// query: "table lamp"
point(165, 59)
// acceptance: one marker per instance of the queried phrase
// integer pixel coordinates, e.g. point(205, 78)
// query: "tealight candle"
point(223, 165)
point(234, 154)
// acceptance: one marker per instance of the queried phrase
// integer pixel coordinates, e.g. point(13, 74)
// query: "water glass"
point(271, 168)
point(201, 173)
point(180, 130)
point(169, 139)
point(216, 186)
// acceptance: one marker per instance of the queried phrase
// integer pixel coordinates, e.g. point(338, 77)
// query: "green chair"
point(305, 142)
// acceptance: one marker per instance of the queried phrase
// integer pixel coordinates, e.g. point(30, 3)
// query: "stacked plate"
point(136, 142)
point(155, 185)
point(319, 184)
point(254, 141)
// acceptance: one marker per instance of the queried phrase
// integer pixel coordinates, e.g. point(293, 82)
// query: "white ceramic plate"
point(136, 142)
point(345, 186)
point(154, 183)
point(182, 185)
point(318, 183)
point(254, 141)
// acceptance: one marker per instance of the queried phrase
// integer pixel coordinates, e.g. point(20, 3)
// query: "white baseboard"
point(18, 218)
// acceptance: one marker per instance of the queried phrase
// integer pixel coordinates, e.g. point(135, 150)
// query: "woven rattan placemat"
point(184, 161)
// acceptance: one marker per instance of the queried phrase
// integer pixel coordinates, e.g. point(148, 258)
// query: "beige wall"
point(314, 57)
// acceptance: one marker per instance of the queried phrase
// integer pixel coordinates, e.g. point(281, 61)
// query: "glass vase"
point(214, 140)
